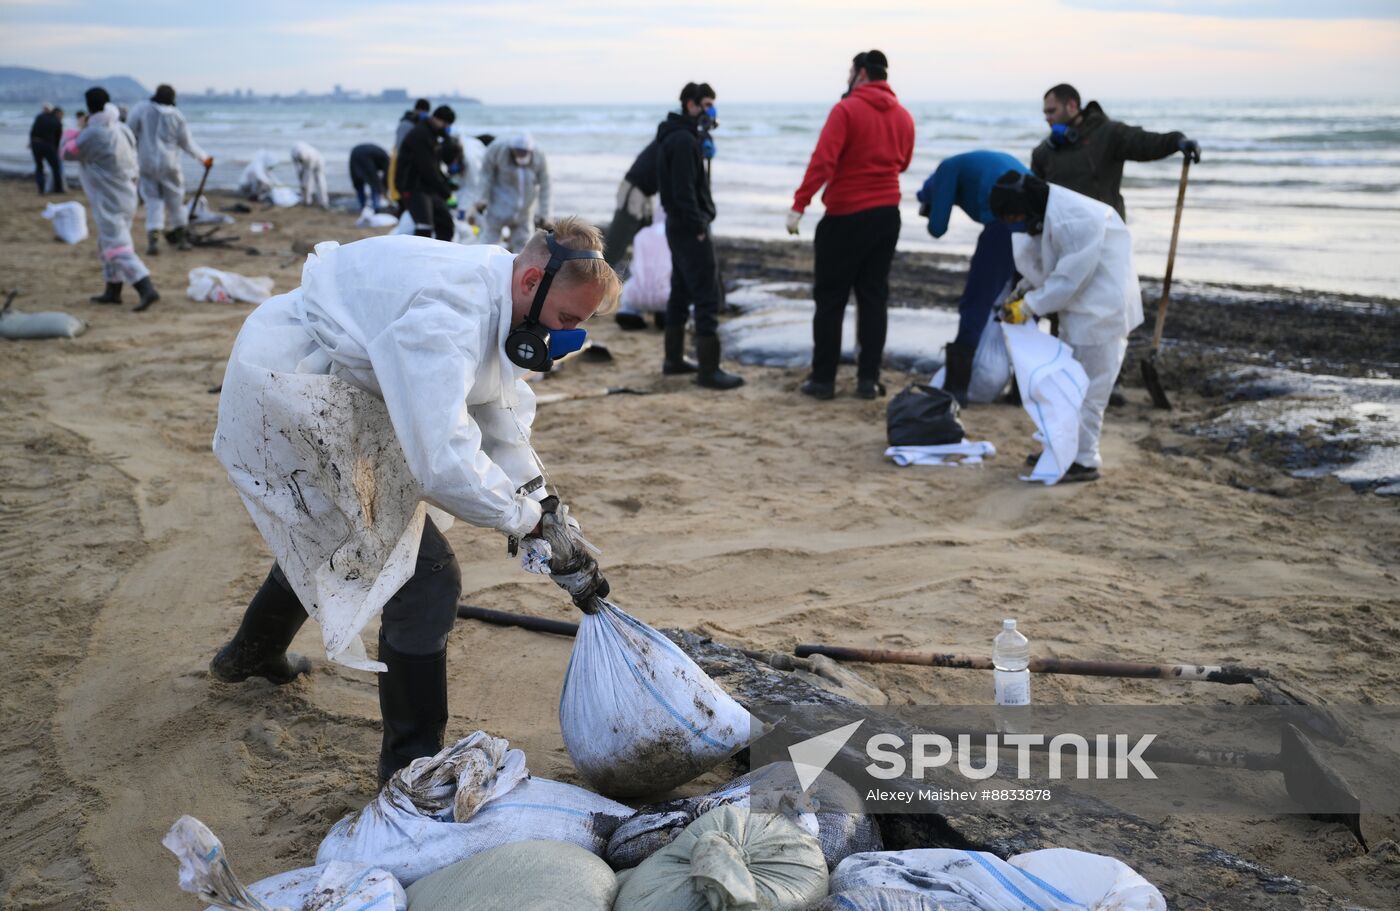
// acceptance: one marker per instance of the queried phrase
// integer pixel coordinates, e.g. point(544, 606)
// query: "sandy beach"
point(759, 517)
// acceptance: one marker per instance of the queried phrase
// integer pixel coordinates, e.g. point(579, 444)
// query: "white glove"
point(562, 552)
point(793, 219)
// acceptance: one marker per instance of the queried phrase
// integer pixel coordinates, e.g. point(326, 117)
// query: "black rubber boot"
point(413, 704)
point(148, 292)
point(113, 294)
point(658, 319)
point(631, 322)
point(822, 391)
point(958, 371)
point(869, 389)
point(152, 243)
point(182, 238)
point(675, 362)
point(259, 648)
point(711, 375)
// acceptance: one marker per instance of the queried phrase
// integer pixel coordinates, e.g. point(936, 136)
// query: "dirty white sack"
point(208, 284)
point(1052, 385)
point(50, 324)
point(371, 219)
point(474, 795)
point(69, 221)
point(1055, 878)
point(205, 872)
point(638, 716)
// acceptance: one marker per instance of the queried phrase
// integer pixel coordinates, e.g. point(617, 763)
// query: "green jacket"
point(1093, 164)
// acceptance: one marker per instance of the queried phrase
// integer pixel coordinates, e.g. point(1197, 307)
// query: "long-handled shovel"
point(1149, 364)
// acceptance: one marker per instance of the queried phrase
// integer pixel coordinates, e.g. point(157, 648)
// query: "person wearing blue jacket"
point(966, 181)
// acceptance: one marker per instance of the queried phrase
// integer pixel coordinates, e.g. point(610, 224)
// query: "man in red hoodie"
point(868, 140)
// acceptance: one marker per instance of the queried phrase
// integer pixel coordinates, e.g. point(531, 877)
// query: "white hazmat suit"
point(1081, 267)
point(106, 150)
point(257, 181)
point(161, 133)
point(311, 174)
point(351, 404)
point(511, 191)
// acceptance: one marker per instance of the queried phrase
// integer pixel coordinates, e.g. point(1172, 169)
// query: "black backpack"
point(923, 416)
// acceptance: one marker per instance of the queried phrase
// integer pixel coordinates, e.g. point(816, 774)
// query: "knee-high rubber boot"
point(959, 371)
point(148, 292)
point(152, 243)
point(710, 375)
point(112, 294)
point(413, 704)
point(675, 362)
point(259, 648)
point(182, 238)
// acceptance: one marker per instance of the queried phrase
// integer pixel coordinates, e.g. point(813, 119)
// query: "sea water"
point(1293, 193)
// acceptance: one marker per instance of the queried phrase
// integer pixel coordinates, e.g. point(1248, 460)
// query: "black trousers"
point(417, 619)
point(852, 252)
point(694, 279)
point(431, 217)
point(43, 152)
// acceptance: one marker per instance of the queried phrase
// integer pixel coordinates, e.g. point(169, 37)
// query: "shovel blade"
point(1315, 784)
point(1153, 382)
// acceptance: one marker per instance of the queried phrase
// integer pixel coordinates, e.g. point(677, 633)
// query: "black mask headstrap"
point(558, 256)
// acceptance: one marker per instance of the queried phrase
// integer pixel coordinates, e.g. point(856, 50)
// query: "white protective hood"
point(1081, 267)
point(376, 389)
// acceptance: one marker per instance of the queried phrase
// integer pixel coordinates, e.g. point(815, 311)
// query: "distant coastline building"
point(400, 95)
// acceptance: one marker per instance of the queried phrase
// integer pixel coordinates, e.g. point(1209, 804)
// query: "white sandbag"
point(1057, 878)
point(648, 285)
point(830, 809)
point(638, 716)
point(730, 859)
point(878, 900)
point(205, 872)
point(50, 324)
point(1052, 385)
point(526, 876)
point(473, 796)
point(69, 221)
point(405, 224)
point(372, 219)
point(283, 197)
point(991, 367)
point(208, 284)
point(203, 215)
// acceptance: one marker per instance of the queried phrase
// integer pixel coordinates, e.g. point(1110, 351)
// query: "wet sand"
point(759, 517)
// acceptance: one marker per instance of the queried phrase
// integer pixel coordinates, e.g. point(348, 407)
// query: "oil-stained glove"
point(567, 554)
point(1191, 149)
point(794, 218)
point(1016, 312)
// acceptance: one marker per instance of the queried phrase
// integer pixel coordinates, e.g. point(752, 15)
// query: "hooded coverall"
point(106, 150)
point(1081, 266)
point(311, 174)
point(161, 132)
point(510, 192)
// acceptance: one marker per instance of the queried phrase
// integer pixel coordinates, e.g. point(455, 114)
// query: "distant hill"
point(21, 84)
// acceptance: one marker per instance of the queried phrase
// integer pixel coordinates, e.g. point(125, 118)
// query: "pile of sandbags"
point(638, 716)
point(473, 796)
point(830, 809)
point(526, 876)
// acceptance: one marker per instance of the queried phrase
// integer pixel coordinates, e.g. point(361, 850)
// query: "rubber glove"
point(793, 219)
point(452, 201)
point(1016, 312)
point(209, 162)
point(481, 206)
point(571, 563)
point(1191, 149)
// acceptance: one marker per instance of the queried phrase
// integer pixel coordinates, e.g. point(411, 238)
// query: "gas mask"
point(1062, 134)
point(532, 346)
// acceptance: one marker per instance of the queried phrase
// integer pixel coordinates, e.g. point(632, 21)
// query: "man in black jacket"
point(418, 176)
point(45, 136)
point(684, 186)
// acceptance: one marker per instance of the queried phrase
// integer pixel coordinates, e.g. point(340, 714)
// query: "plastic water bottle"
point(1011, 656)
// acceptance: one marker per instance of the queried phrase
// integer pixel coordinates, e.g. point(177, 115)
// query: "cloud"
point(1252, 9)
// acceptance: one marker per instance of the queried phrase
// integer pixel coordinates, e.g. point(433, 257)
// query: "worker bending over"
point(1076, 259)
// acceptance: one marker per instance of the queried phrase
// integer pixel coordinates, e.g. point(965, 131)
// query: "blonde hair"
point(573, 232)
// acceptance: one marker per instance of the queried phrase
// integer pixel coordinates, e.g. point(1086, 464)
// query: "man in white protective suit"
point(1075, 257)
point(161, 133)
point(311, 174)
point(514, 178)
point(364, 410)
point(106, 150)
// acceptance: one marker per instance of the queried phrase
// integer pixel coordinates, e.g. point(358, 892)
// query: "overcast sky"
point(615, 51)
